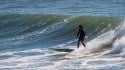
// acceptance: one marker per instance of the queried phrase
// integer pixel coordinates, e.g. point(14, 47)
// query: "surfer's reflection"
point(81, 36)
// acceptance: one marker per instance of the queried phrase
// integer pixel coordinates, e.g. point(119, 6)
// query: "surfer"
point(81, 36)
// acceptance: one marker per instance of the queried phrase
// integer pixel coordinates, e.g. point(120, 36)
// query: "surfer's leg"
point(78, 43)
point(83, 44)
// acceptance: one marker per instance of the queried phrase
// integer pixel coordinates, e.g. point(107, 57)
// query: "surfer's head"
point(80, 27)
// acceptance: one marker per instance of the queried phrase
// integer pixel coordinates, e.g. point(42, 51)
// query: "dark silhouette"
point(81, 36)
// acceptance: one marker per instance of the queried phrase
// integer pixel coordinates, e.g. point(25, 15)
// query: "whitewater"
point(32, 32)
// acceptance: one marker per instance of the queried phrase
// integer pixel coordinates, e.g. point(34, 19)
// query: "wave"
point(42, 31)
point(109, 43)
point(26, 41)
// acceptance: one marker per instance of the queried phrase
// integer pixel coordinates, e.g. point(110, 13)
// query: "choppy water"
point(29, 29)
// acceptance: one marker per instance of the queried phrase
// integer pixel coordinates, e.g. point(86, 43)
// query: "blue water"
point(110, 8)
point(35, 33)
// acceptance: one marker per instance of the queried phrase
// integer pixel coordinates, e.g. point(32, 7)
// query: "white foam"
point(119, 44)
point(95, 63)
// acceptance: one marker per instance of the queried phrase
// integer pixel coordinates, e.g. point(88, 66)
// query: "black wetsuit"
point(81, 34)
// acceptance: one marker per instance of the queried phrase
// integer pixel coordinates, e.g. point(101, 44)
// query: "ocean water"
point(31, 32)
point(110, 8)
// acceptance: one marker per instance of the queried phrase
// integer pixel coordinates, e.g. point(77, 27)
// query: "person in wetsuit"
point(81, 36)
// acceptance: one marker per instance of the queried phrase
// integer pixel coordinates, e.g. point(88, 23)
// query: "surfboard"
point(63, 50)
